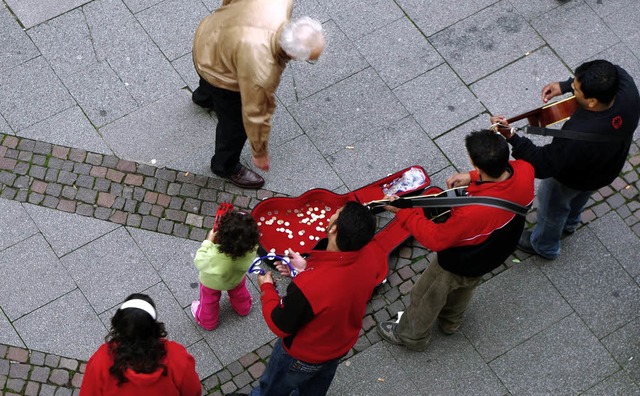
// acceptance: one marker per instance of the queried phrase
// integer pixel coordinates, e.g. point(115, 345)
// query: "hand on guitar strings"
point(389, 208)
point(551, 90)
point(458, 180)
point(499, 124)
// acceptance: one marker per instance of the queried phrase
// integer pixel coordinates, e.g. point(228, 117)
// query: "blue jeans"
point(286, 376)
point(559, 209)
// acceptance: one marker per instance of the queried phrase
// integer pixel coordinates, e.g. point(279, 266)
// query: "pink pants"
point(207, 313)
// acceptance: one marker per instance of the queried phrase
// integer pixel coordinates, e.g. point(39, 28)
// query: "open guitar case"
point(299, 223)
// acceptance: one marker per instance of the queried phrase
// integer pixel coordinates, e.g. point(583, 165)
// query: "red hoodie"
point(181, 378)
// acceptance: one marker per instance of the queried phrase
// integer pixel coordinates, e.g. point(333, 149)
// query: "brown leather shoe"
point(246, 178)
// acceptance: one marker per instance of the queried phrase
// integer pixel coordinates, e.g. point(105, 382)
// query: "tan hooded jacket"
point(236, 48)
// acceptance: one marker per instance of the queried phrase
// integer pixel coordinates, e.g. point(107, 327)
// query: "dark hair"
point(598, 79)
point(237, 234)
point(356, 226)
point(488, 151)
point(136, 341)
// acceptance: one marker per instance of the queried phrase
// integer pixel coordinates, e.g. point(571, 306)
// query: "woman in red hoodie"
point(136, 359)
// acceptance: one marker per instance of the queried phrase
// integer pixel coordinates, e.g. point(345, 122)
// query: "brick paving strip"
point(183, 205)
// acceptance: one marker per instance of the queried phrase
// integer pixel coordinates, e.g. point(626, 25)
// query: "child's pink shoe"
point(194, 311)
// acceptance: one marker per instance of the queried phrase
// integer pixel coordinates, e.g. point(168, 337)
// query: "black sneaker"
point(524, 244)
point(387, 331)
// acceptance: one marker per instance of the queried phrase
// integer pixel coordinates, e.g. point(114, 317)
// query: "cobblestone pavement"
point(181, 204)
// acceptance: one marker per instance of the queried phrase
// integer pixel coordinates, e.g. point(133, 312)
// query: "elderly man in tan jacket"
point(239, 52)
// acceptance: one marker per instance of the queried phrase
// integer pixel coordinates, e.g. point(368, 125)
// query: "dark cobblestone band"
point(184, 205)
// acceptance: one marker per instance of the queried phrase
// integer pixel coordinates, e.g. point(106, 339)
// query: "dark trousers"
point(230, 133)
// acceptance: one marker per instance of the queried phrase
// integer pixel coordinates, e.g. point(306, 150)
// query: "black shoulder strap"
point(575, 135)
point(448, 202)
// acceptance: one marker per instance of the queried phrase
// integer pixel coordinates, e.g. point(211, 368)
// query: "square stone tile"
point(526, 78)
point(78, 131)
point(437, 371)
point(618, 21)
point(532, 9)
point(8, 334)
point(198, 159)
point(4, 127)
point(407, 52)
point(348, 111)
point(237, 335)
point(163, 131)
point(12, 213)
point(15, 44)
point(614, 234)
point(356, 19)
point(172, 24)
point(67, 326)
point(159, 248)
point(621, 55)
point(23, 291)
point(594, 283)
point(439, 100)
point(101, 94)
point(618, 384)
point(139, 5)
point(372, 372)
point(31, 92)
point(298, 166)
point(452, 142)
point(563, 359)
point(33, 12)
point(110, 268)
point(311, 8)
point(511, 308)
point(605, 8)
point(184, 67)
point(433, 16)
point(486, 41)
point(206, 361)
point(562, 29)
point(66, 232)
point(387, 151)
point(623, 345)
point(66, 43)
point(338, 61)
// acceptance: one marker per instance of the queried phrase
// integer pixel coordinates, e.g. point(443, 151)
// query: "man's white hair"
point(300, 37)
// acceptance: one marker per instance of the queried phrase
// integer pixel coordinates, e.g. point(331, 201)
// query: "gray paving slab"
point(566, 358)
point(33, 12)
point(66, 232)
point(4, 127)
point(67, 326)
point(311, 8)
point(66, 43)
point(383, 152)
point(151, 132)
point(439, 369)
point(486, 41)
point(620, 54)
point(139, 5)
point(372, 372)
point(158, 248)
point(237, 335)
point(594, 283)
point(605, 8)
point(297, 166)
point(433, 16)
point(438, 100)
point(511, 308)
point(198, 160)
point(407, 52)
point(612, 231)
point(103, 96)
point(31, 264)
point(619, 384)
point(79, 131)
point(15, 44)
point(561, 29)
point(356, 19)
point(110, 268)
point(525, 78)
point(623, 346)
point(532, 9)
point(338, 61)
point(31, 92)
point(184, 67)
point(452, 143)
point(172, 24)
point(347, 112)
point(618, 23)
point(206, 361)
point(12, 214)
point(8, 334)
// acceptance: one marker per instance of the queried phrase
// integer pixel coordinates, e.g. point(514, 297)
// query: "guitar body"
point(549, 114)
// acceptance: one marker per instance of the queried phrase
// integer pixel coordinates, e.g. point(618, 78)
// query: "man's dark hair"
point(488, 151)
point(598, 79)
point(356, 226)
point(237, 234)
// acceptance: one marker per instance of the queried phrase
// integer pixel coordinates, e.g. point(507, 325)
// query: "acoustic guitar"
point(549, 114)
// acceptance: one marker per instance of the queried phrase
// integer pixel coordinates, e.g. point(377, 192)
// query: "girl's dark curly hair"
point(237, 234)
point(136, 341)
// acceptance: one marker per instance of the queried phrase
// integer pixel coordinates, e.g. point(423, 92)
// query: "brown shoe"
point(246, 178)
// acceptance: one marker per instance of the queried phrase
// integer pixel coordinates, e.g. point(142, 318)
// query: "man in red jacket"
point(320, 318)
point(473, 241)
